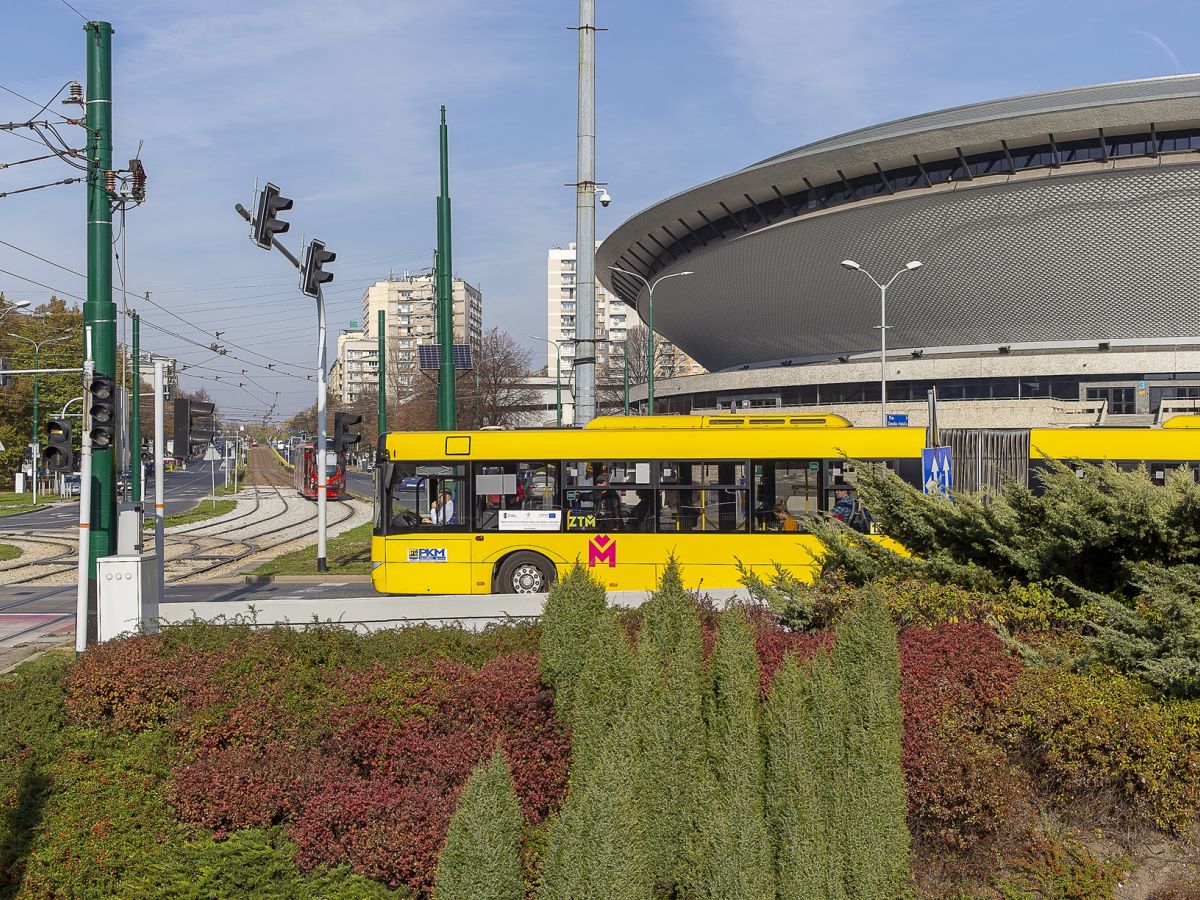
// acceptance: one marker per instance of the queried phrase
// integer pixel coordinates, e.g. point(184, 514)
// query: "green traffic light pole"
point(37, 349)
point(99, 311)
point(447, 413)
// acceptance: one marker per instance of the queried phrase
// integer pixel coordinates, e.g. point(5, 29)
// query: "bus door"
point(428, 541)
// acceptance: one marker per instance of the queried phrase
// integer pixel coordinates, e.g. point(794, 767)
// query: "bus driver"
point(441, 511)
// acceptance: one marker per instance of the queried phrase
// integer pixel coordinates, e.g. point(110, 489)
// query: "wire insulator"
point(76, 92)
point(110, 180)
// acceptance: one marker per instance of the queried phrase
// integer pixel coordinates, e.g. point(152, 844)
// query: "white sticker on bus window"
point(641, 473)
point(530, 519)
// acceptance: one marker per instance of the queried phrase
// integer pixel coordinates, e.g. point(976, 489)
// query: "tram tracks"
point(273, 518)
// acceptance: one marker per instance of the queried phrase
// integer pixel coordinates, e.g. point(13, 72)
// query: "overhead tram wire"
point(142, 297)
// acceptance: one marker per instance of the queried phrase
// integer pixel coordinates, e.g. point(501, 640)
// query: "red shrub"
point(386, 830)
point(132, 683)
point(376, 787)
point(248, 786)
point(961, 789)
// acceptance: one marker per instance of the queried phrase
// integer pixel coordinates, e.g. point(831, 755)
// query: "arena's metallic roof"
point(1100, 249)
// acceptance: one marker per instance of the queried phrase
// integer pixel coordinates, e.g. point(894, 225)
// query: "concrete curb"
point(327, 578)
point(25, 652)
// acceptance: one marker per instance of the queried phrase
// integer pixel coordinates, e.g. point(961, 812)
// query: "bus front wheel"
point(525, 573)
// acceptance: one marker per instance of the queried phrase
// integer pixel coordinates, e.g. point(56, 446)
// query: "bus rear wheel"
point(525, 573)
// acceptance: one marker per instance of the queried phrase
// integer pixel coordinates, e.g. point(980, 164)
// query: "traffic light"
point(266, 225)
point(58, 456)
point(189, 433)
point(312, 276)
point(342, 438)
point(103, 411)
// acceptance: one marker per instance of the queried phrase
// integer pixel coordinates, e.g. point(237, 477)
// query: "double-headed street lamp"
point(37, 349)
point(557, 375)
point(852, 266)
point(649, 327)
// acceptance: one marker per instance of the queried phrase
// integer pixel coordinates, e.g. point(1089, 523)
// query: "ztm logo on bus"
point(426, 554)
point(602, 549)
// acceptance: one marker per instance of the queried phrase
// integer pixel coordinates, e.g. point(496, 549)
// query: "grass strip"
point(347, 554)
point(8, 551)
point(206, 510)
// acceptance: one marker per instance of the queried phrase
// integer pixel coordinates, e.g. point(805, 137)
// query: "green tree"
point(573, 609)
point(737, 859)
point(48, 320)
point(803, 721)
point(601, 692)
point(873, 832)
point(481, 859)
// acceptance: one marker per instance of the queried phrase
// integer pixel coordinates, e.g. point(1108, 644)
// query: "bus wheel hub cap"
point(527, 580)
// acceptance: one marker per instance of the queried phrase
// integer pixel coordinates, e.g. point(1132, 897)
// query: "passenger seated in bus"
point(441, 511)
point(643, 512)
point(784, 520)
point(851, 511)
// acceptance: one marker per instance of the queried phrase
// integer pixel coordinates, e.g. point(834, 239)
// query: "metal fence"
point(985, 458)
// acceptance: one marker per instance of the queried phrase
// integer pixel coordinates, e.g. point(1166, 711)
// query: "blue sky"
point(337, 102)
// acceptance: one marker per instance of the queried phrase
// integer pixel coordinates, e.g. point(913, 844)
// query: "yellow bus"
point(507, 511)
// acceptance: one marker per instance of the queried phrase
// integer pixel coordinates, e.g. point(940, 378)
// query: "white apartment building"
point(613, 320)
point(410, 314)
point(355, 373)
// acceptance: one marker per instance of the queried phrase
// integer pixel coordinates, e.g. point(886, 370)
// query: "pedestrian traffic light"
point(313, 275)
point(103, 411)
point(266, 225)
point(58, 456)
point(189, 433)
point(343, 439)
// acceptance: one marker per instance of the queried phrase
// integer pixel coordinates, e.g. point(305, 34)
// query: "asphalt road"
point(361, 484)
point(181, 492)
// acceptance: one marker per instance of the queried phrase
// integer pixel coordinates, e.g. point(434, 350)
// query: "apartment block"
point(410, 315)
point(614, 319)
point(355, 374)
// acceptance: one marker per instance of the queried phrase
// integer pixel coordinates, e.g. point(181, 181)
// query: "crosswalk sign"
point(936, 471)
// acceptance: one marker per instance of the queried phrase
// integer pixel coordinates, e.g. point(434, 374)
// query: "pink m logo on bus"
point(602, 549)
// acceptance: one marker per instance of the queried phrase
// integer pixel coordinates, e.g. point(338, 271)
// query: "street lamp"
point(557, 374)
point(851, 266)
point(37, 349)
point(650, 328)
point(6, 308)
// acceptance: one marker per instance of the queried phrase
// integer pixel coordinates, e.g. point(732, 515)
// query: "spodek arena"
point(1059, 236)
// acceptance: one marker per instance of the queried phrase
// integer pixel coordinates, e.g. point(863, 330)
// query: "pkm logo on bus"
point(602, 549)
point(426, 554)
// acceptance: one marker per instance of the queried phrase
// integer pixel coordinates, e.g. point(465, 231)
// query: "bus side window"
point(506, 491)
point(786, 493)
point(703, 496)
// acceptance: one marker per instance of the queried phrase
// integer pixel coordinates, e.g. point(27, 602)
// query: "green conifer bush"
point(873, 830)
point(481, 858)
point(574, 605)
point(803, 725)
point(599, 843)
point(601, 691)
point(666, 714)
point(737, 859)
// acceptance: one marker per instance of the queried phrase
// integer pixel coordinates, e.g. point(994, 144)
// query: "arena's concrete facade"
point(1055, 230)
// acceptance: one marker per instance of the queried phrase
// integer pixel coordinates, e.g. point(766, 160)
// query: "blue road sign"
point(897, 420)
point(936, 471)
